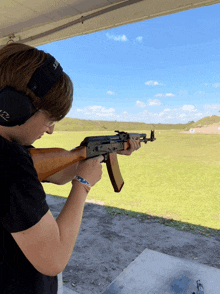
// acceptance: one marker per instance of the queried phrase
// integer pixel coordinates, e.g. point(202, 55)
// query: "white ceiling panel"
point(85, 5)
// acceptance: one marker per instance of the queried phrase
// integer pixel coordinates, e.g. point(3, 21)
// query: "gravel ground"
point(106, 246)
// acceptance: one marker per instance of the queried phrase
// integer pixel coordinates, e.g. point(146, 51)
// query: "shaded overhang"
point(38, 22)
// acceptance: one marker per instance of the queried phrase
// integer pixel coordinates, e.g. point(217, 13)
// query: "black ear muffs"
point(15, 106)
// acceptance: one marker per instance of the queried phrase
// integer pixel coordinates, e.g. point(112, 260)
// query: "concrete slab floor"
point(153, 272)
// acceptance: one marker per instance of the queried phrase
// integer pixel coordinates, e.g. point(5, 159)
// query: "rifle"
point(59, 158)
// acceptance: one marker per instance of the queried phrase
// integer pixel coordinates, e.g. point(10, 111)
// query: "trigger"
point(105, 157)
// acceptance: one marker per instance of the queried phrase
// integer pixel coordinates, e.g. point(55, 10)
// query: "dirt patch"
point(210, 129)
point(106, 246)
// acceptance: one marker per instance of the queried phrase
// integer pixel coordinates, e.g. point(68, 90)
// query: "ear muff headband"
point(45, 76)
point(15, 106)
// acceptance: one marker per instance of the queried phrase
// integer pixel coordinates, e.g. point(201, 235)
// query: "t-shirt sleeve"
point(27, 199)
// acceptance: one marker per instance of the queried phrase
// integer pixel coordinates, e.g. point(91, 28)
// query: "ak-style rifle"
point(58, 158)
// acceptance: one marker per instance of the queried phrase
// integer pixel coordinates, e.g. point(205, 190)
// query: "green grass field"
point(173, 180)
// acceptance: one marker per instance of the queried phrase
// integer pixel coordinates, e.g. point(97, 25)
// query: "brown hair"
point(18, 62)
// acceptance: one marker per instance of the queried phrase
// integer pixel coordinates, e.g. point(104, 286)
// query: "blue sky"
point(162, 70)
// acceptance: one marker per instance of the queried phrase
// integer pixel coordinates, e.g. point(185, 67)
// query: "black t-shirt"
point(23, 204)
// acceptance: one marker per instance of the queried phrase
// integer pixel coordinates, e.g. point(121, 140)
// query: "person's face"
point(32, 130)
point(36, 126)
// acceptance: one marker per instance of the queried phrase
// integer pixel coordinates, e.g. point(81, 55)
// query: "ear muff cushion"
point(15, 107)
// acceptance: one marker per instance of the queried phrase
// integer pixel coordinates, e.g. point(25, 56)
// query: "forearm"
point(64, 176)
point(69, 222)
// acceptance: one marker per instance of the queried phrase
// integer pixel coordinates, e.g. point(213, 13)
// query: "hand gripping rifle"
point(57, 159)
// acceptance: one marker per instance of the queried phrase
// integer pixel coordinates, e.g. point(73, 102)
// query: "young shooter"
point(34, 94)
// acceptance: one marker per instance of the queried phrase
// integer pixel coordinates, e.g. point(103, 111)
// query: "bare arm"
point(48, 245)
point(64, 176)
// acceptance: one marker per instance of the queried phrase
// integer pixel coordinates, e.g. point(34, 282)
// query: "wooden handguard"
point(114, 172)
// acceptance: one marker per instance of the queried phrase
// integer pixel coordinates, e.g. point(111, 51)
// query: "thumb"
point(101, 158)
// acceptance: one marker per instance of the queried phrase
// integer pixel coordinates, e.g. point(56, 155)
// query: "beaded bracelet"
point(86, 185)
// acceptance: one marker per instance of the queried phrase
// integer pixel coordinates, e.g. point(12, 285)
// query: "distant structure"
point(192, 131)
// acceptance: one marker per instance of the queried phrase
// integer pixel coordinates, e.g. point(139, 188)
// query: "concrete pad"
point(68, 291)
point(153, 272)
point(62, 289)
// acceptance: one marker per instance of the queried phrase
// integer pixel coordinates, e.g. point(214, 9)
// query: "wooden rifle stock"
point(57, 159)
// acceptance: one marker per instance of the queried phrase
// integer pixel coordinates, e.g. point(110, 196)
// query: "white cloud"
point(140, 104)
point(139, 39)
point(110, 93)
point(216, 85)
point(189, 108)
point(211, 106)
point(151, 102)
point(169, 95)
point(165, 95)
point(154, 102)
point(174, 115)
point(153, 83)
point(177, 115)
point(97, 111)
point(121, 38)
